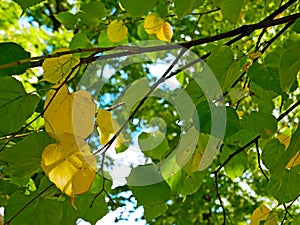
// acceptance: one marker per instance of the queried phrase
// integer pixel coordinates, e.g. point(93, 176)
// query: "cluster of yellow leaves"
point(153, 24)
point(69, 118)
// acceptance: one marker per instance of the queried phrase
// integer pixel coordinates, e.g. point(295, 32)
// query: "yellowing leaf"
point(259, 214)
point(70, 165)
point(71, 113)
point(107, 127)
point(153, 22)
point(165, 32)
point(284, 139)
point(295, 161)
point(56, 70)
point(117, 31)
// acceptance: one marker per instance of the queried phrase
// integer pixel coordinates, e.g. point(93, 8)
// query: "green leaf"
point(40, 211)
point(237, 165)
point(296, 26)
point(152, 212)
point(223, 66)
point(138, 7)
point(25, 4)
point(271, 153)
point(11, 52)
point(91, 13)
point(24, 157)
point(189, 184)
point(153, 145)
point(285, 186)
point(68, 19)
point(231, 9)
point(90, 208)
point(289, 67)
point(183, 8)
point(262, 123)
point(16, 105)
point(266, 76)
point(146, 192)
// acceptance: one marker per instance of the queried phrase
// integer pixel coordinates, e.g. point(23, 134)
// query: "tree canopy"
point(188, 109)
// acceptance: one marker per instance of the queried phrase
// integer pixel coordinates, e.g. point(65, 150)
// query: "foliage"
point(78, 86)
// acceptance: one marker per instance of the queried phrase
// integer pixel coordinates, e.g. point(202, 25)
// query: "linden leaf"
point(117, 31)
point(56, 70)
point(153, 22)
point(165, 33)
point(107, 127)
point(259, 214)
point(70, 165)
point(71, 113)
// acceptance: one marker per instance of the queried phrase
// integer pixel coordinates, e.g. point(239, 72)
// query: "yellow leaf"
point(107, 127)
point(254, 55)
point(165, 32)
point(117, 31)
point(153, 22)
point(259, 214)
point(70, 165)
point(295, 161)
point(284, 139)
point(69, 113)
point(56, 70)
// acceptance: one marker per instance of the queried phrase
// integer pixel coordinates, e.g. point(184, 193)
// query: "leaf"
point(231, 9)
point(183, 8)
point(165, 33)
point(57, 70)
point(107, 127)
point(68, 19)
point(11, 52)
point(260, 214)
point(91, 13)
point(289, 67)
point(24, 157)
point(88, 211)
point(223, 66)
point(189, 183)
point(266, 76)
point(152, 212)
point(153, 22)
point(296, 26)
point(138, 7)
point(272, 218)
point(41, 211)
point(237, 165)
point(70, 165)
point(263, 123)
point(27, 4)
point(16, 106)
point(271, 153)
point(117, 31)
point(284, 185)
point(71, 113)
point(153, 145)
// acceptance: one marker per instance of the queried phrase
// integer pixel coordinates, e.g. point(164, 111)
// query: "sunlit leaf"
point(70, 165)
point(153, 22)
point(57, 70)
point(165, 32)
point(107, 127)
point(260, 214)
point(184, 7)
point(138, 7)
point(117, 31)
point(69, 113)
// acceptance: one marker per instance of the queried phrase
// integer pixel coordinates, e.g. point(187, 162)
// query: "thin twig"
point(259, 161)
